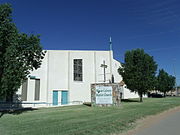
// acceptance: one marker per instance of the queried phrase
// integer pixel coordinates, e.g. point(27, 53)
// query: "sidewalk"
point(166, 123)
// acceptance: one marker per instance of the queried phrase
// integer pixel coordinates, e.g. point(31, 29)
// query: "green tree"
point(19, 54)
point(172, 83)
point(138, 71)
point(166, 82)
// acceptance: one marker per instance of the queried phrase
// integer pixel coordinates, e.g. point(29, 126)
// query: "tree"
point(138, 71)
point(19, 54)
point(166, 82)
point(172, 83)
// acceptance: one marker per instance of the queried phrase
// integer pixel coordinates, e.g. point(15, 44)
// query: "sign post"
point(105, 94)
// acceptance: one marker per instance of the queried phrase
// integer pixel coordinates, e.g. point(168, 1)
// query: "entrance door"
point(55, 97)
point(64, 97)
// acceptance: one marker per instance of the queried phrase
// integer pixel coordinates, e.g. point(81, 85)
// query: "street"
point(168, 125)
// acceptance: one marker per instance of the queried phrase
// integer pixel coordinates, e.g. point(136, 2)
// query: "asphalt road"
point(169, 125)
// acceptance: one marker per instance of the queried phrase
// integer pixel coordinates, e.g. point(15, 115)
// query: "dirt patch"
point(150, 120)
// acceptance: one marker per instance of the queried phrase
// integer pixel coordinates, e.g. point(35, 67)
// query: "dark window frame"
point(78, 70)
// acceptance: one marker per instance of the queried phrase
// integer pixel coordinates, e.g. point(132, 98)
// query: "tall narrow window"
point(37, 89)
point(78, 76)
point(24, 90)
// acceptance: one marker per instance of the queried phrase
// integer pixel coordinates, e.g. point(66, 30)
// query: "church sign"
point(103, 95)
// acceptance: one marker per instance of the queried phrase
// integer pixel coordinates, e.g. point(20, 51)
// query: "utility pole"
point(176, 78)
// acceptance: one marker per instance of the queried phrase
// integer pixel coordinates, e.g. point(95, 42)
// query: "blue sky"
point(153, 25)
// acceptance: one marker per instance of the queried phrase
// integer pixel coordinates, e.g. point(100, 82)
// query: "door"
point(64, 97)
point(55, 97)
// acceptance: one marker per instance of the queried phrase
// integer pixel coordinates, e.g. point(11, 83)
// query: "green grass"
point(77, 120)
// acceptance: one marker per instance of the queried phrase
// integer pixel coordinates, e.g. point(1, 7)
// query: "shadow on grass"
point(87, 104)
point(16, 111)
point(122, 100)
point(129, 100)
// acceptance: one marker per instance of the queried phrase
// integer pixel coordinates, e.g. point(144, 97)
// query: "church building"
point(65, 78)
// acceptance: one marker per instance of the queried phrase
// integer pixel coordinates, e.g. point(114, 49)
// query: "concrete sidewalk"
point(168, 125)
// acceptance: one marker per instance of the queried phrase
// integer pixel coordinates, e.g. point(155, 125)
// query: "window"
point(37, 89)
point(78, 70)
point(24, 90)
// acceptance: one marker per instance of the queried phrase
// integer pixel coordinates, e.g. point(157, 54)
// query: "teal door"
point(55, 97)
point(64, 97)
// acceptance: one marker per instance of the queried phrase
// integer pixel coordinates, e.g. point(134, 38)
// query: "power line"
point(160, 49)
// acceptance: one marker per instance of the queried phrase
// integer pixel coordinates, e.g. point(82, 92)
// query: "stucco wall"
point(40, 73)
point(56, 73)
point(115, 66)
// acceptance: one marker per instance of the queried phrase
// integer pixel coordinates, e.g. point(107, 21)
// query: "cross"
point(104, 66)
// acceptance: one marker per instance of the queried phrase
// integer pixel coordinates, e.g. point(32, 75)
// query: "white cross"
point(104, 66)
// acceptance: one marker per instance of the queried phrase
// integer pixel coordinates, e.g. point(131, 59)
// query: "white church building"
point(65, 77)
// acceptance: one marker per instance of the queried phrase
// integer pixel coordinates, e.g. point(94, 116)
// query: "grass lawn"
point(78, 120)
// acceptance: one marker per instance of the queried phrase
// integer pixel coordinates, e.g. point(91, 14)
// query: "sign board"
point(104, 95)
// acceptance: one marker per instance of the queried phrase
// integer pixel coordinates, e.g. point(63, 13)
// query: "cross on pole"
point(104, 66)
